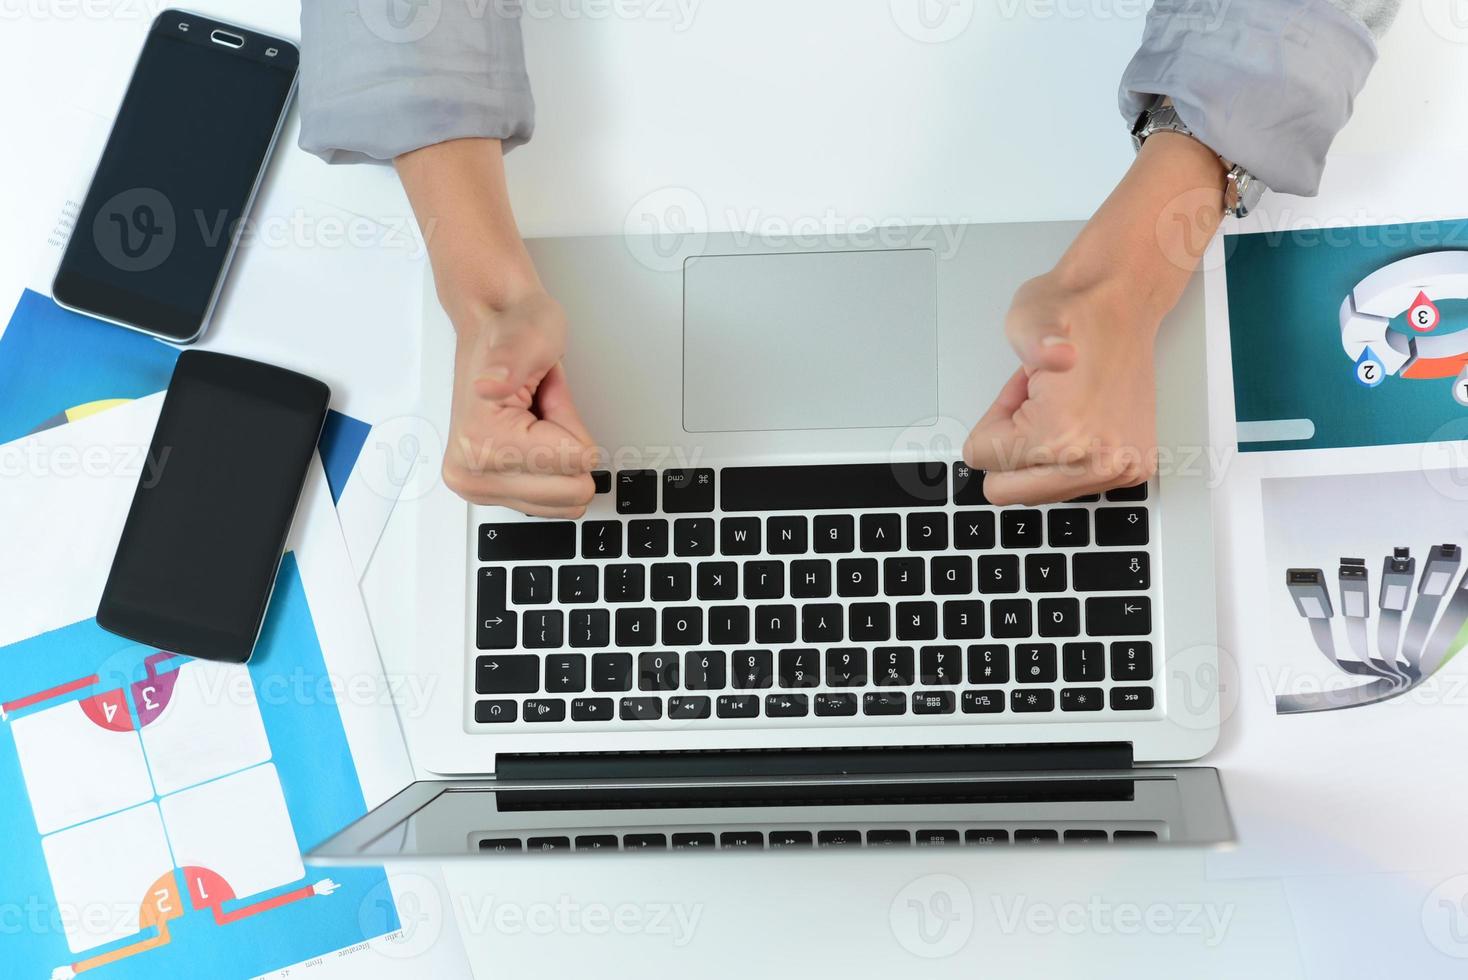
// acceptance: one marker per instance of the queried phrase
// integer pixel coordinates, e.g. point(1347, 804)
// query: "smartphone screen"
point(203, 540)
point(158, 225)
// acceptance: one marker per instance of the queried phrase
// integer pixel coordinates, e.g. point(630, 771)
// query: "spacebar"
point(853, 486)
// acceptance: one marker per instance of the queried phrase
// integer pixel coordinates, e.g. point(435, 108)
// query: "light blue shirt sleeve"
point(1267, 84)
point(382, 77)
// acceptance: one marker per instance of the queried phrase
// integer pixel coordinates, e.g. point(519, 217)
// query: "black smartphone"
point(164, 211)
point(196, 563)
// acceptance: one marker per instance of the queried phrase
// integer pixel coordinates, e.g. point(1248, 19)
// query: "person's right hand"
point(515, 437)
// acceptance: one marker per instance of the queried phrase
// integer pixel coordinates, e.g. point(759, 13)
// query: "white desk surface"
point(813, 115)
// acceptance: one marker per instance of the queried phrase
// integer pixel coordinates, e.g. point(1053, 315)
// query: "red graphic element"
point(108, 710)
point(152, 694)
point(70, 687)
point(1423, 316)
point(1435, 367)
point(208, 890)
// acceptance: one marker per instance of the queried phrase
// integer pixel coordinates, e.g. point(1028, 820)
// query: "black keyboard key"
point(693, 537)
point(704, 670)
point(1119, 616)
point(856, 577)
point(671, 582)
point(932, 702)
point(501, 845)
point(577, 584)
point(1011, 619)
point(1128, 495)
point(764, 580)
point(601, 539)
point(637, 492)
point(800, 668)
point(786, 535)
point(637, 627)
point(963, 619)
point(718, 581)
point(917, 620)
point(592, 709)
point(1032, 700)
point(953, 575)
point(1131, 661)
point(1036, 836)
point(682, 626)
point(688, 708)
point(1083, 662)
point(496, 712)
point(791, 838)
point(647, 539)
point(1084, 836)
point(544, 710)
point(834, 705)
point(998, 574)
point(985, 838)
point(591, 628)
point(822, 622)
point(775, 625)
point(927, 532)
point(869, 622)
point(739, 536)
point(839, 838)
point(1069, 527)
point(856, 486)
point(1060, 617)
point(1082, 699)
point(640, 709)
point(973, 530)
point(1112, 571)
point(625, 583)
point(753, 669)
point(688, 491)
point(835, 534)
point(738, 706)
point(1133, 836)
point(601, 480)
point(904, 576)
point(1020, 529)
point(884, 703)
point(507, 674)
point(968, 486)
point(596, 842)
point(657, 671)
point(544, 629)
point(982, 702)
point(846, 667)
point(742, 839)
point(937, 838)
point(1045, 572)
point(810, 579)
point(611, 672)
point(881, 532)
point(565, 673)
point(495, 627)
point(892, 666)
point(530, 585)
point(644, 842)
point(940, 665)
point(988, 664)
point(888, 838)
point(1131, 698)
point(1085, 498)
point(1034, 663)
point(786, 706)
point(729, 625)
point(527, 541)
point(692, 842)
point(1121, 527)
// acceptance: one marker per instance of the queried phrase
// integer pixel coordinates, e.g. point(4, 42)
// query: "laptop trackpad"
point(810, 340)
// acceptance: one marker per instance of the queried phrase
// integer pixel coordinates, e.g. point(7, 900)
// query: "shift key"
point(527, 541)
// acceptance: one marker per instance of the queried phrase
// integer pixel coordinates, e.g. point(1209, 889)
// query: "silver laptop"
point(788, 577)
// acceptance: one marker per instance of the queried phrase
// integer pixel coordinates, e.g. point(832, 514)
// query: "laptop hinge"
point(869, 761)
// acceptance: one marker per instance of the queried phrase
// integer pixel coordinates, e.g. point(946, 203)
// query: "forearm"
point(458, 193)
point(1150, 234)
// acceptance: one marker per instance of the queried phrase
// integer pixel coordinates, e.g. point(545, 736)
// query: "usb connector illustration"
point(1307, 586)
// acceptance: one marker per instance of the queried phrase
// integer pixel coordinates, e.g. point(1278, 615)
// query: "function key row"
point(858, 486)
point(702, 537)
point(843, 837)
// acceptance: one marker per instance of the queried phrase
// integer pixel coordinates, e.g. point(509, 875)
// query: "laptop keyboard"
point(804, 595)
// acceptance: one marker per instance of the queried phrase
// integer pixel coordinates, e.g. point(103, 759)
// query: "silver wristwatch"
point(1243, 189)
